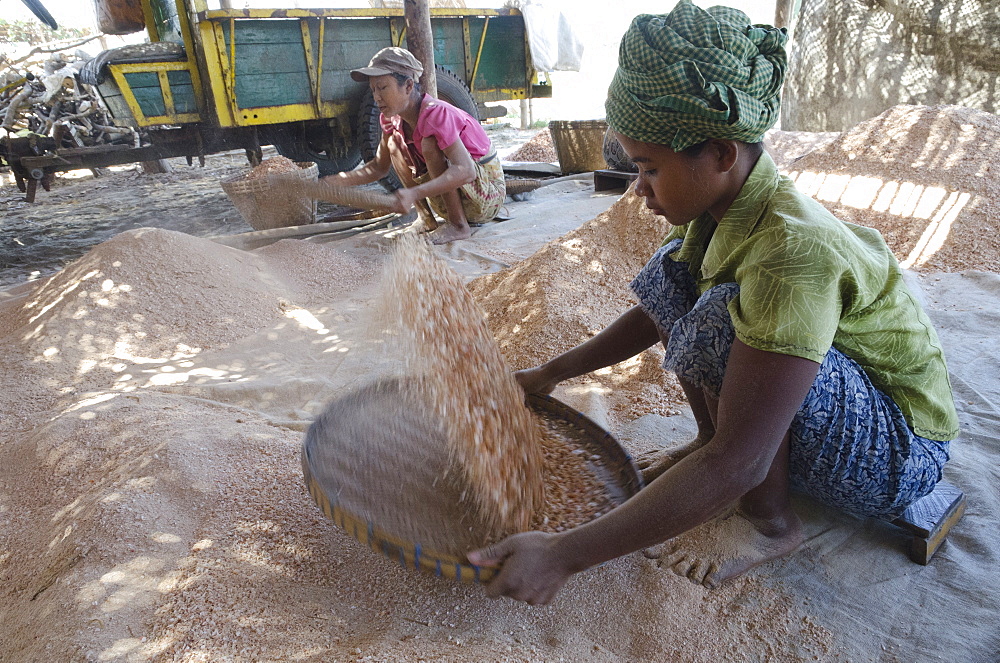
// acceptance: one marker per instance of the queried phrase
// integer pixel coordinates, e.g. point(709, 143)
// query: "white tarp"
point(554, 44)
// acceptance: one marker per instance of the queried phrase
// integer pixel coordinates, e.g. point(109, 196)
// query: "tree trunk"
point(783, 13)
point(420, 40)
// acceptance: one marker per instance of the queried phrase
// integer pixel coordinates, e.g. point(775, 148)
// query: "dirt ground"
point(82, 210)
point(155, 394)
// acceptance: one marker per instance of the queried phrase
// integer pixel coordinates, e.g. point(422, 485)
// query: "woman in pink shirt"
point(440, 153)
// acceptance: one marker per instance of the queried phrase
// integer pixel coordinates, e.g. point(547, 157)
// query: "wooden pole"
point(420, 40)
point(783, 13)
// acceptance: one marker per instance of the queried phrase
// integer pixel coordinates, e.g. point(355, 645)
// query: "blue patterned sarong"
point(850, 445)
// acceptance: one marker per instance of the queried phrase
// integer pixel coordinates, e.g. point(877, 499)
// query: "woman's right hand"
point(536, 380)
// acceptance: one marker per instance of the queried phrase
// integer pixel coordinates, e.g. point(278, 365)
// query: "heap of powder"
point(538, 149)
point(923, 176)
point(463, 376)
point(272, 166)
point(574, 287)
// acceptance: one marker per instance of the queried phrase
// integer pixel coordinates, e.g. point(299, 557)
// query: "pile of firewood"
point(41, 95)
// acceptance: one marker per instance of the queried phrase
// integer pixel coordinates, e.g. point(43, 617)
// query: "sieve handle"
point(332, 193)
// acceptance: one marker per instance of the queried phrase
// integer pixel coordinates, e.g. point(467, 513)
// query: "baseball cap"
point(391, 60)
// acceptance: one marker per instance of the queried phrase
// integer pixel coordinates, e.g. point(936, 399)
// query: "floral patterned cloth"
point(481, 198)
point(850, 445)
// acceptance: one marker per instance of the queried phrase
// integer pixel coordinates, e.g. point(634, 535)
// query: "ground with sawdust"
point(155, 393)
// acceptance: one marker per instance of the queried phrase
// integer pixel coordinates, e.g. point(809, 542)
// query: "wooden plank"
point(930, 519)
point(449, 45)
point(272, 90)
point(348, 31)
point(502, 65)
point(183, 91)
point(268, 32)
point(150, 101)
point(118, 107)
point(339, 86)
point(184, 99)
point(166, 20)
point(271, 59)
point(924, 516)
point(142, 79)
point(345, 56)
point(271, 68)
point(145, 88)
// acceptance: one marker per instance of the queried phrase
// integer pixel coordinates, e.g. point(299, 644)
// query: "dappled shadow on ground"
point(925, 177)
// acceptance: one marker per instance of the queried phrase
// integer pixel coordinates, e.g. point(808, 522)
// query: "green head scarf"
point(692, 74)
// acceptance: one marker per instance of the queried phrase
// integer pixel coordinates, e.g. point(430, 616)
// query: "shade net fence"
point(850, 60)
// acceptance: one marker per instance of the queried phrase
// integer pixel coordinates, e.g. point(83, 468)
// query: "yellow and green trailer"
point(214, 80)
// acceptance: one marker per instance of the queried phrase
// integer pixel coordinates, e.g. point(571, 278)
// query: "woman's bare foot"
point(449, 233)
point(421, 225)
point(654, 463)
point(728, 546)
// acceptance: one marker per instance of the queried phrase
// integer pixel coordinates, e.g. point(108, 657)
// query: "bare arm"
point(624, 338)
point(372, 171)
point(761, 393)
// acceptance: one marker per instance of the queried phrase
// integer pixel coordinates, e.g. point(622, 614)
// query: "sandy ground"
point(83, 210)
point(153, 402)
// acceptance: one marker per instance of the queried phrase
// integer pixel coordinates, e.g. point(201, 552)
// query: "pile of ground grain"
point(786, 147)
point(318, 273)
point(926, 177)
point(572, 288)
point(151, 526)
point(133, 303)
point(145, 300)
point(539, 148)
point(272, 166)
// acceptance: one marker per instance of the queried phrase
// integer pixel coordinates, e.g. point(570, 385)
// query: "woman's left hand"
point(532, 569)
point(405, 199)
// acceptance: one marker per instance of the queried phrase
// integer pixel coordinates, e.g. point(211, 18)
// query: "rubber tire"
point(451, 88)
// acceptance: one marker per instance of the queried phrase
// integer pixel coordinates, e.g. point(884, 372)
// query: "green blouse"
point(809, 281)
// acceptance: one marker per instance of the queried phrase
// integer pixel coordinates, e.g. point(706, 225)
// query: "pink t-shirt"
point(445, 123)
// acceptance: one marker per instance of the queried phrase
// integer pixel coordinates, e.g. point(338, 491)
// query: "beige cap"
point(391, 60)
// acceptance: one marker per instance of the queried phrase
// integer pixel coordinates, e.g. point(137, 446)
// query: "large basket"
point(579, 144)
point(264, 207)
point(336, 476)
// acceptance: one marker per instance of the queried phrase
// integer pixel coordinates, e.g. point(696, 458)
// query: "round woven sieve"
point(377, 464)
point(264, 206)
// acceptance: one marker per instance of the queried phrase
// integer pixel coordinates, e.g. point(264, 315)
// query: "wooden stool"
point(610, 180)
point(930, 519)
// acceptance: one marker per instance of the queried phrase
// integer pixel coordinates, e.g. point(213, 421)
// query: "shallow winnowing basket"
point(264, 207)
point(376, 463)
point(579, 144)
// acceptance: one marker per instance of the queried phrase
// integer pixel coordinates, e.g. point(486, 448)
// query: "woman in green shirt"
point(807, 363)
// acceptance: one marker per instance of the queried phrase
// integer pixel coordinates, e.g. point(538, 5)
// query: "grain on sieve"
point(272, 166)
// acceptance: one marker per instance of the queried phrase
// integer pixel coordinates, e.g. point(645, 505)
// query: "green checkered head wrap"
point(695, 74)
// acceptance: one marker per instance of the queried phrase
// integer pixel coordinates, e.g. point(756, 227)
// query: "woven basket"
point(579, 144)
point(265, 207)
point(345, 480)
